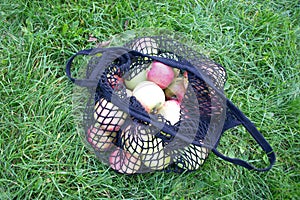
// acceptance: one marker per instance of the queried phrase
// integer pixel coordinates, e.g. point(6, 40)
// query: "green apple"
point(139, 77)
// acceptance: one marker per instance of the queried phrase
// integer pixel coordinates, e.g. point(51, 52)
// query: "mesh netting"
point(138, 124)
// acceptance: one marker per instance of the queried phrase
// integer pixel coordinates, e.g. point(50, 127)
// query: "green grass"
point(41, 153)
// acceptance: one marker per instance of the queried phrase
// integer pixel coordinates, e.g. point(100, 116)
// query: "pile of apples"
point(160, 89)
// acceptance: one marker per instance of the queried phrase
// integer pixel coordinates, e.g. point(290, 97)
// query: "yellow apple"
point(170, 111)
point(138, 141)
point(157, 160)
point(109, 116)
point(99, 139)
point(150, 95)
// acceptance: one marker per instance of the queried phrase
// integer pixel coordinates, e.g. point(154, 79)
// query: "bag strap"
point(255, 134)
point(80, 82)
point(108, 55)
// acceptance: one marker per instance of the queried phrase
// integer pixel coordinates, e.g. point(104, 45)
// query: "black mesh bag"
point(156, 104)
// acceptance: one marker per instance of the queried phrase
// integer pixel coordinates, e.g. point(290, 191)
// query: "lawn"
point(42, 155)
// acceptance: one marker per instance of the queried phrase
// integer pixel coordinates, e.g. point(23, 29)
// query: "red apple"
point(160, 74)
point(124, 162)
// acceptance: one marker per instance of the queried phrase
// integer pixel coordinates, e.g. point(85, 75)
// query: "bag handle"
point(69, 65)
point(255, 134)
point(108, 55)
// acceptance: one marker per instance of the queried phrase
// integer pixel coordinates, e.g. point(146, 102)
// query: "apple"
point(124, 162)
point(146, 45)
point(157, 161)
point(99, 139)
point(176, 90)
point(150, 95)
point(138, 141)
point(143, 84)
point(160, 74)
point(192, 157)
point(109, 116)
point(170, 111)
point(139, 77)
